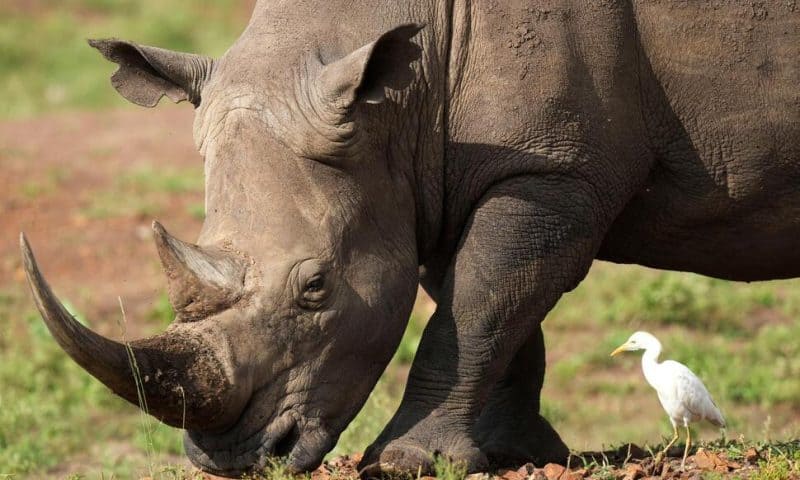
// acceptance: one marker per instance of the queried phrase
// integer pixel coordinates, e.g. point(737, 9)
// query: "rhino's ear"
point(363, 75)
point(146, 74)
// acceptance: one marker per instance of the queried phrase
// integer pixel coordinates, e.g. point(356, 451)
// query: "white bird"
point(682, 394)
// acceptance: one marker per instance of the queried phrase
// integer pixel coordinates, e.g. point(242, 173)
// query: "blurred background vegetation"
point(45, 64)
point(56, 421)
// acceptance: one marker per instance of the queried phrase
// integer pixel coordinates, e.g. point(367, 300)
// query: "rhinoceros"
point(488, 150)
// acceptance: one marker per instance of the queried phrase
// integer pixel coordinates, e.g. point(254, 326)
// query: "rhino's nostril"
point(285, 445)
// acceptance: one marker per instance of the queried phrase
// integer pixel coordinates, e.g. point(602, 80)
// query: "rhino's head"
point(297, 292)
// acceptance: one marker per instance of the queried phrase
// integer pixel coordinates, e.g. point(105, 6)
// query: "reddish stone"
point(633, 471)
point(706, 460)
point(578, 474)
point(538, 474)
point(511, 475)
point(553, 471)
point(751, 456)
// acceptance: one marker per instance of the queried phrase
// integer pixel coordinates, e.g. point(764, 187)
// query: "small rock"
point(578, 474)
point(553, 471)
point(706, 460)
point(538, 475)
point(752, 456)
point(633, 471)
point(511, 475)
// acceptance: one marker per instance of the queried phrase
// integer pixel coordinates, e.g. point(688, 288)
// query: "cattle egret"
point(682, 394)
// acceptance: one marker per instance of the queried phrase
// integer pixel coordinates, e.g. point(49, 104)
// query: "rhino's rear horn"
point(201, 281)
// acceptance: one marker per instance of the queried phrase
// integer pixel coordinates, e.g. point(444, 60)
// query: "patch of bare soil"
point(628, 462)
point(52, 169)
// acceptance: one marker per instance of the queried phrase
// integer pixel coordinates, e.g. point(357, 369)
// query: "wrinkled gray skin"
point(491, 156)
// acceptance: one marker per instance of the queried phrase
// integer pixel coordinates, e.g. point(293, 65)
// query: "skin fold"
point(488, 150)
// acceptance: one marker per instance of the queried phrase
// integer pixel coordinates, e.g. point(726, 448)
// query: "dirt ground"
point(628, 462)
point(54, 167)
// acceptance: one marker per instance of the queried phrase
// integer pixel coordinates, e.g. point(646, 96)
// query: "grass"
point(737, 337)
point(46, 65)
point(48, 405)
point(446, 469)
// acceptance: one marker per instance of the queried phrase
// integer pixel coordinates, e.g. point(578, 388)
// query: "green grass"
point(46, 65)
point(51, 410)
point(445, 469)
point(197, 211)
point(737, 337)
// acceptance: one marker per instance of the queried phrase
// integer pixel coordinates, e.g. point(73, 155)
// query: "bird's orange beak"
point(620, 349)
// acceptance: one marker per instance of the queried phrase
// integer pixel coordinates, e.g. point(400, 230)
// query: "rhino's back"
point(721, 103)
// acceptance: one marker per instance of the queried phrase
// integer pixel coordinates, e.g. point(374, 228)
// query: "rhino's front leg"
point(529, 240)
point(511, 430)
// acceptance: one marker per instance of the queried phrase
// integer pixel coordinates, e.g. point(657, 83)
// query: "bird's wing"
point(692, 394)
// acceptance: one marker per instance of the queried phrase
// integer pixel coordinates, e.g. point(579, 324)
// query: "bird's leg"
point(688, 446)
point(663, 452)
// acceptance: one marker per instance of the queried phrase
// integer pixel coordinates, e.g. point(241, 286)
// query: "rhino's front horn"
point(176, 377)
point(201, 281)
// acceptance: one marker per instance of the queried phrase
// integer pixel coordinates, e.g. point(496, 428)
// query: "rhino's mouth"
point(239, 451)
point(243, 450)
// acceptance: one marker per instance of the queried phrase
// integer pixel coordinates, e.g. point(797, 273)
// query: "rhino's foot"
point(510, 440)
point(415, 453)
point(510, 430)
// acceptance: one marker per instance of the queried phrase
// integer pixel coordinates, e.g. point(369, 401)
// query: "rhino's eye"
point(312, 287)
point(314, 292)
point(315, 284)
